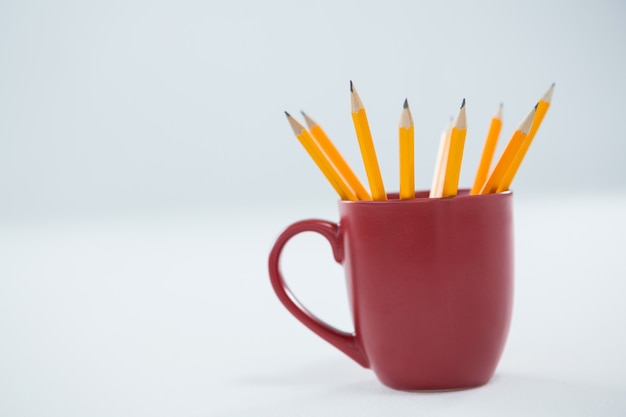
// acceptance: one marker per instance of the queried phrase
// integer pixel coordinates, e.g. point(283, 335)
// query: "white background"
point(146, 167)
point(136, 105)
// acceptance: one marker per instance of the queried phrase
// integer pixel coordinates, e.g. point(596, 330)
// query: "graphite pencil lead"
point(463, 103)
point(351, 87)
point(287, 114)
point(406, 103)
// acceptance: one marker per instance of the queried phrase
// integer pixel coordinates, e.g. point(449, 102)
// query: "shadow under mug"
point(430, 286)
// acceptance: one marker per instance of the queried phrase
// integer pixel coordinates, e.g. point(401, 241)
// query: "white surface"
point(173, 314)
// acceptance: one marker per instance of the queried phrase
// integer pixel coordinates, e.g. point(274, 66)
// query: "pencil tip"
point(355, 101)
point(536, 105)
point(287, 114)
point(460, 121)
point(524, 127)
point(406, 119)
point(498, 114)
point(308, 120)
point(547, 97)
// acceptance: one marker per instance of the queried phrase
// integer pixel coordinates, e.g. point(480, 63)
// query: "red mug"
point(430, 285)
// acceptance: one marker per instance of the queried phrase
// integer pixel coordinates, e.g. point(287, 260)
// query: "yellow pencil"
point(407, 151)
point(542, 108)
point(512, 148)
point(488, 150)
point(455, 153)
point(440, 166)
point(368, 153)
point(336, 159)
point(309, 144)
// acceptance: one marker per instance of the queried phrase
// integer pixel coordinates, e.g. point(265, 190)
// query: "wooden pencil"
point(407, 153)
point(366, 145)
point(488, 150)
point(455, 153)
point(542, 108)
point(312, 148)
point(512, 148)
point(336, 159)
point(436, 188)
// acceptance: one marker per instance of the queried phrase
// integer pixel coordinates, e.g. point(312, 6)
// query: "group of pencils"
point(449, 157)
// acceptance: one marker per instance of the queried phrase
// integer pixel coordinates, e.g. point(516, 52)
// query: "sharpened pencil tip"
point(355, 101)
point(547, 97)
point(406, 119)
point(460, 120)
point(308, 120)
point(524, 127)
point(498, 114)
point(287, 114)
point(536, 105)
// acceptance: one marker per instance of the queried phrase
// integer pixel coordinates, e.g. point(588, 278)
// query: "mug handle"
point(345, 342)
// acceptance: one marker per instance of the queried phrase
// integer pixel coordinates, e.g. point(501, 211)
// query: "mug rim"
point(421, 197)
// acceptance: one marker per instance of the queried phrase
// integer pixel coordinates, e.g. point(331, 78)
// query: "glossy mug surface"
point(430, 285)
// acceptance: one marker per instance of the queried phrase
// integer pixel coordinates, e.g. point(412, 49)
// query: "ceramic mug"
point(430, 285)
